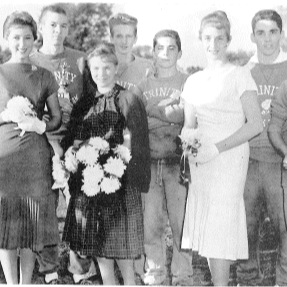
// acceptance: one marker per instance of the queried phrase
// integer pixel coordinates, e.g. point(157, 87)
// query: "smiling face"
point(267, 37)
point(215, 43)
point(20, 42)
point(123, 38)
point(166, 52)
point(103, 72)
point(54, 28)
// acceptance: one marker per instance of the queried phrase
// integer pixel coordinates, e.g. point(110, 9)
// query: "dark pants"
point(264, 188)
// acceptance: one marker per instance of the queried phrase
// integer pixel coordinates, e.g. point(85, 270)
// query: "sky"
point(183, 16)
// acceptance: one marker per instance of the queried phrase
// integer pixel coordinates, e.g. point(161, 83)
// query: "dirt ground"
point(202, 275)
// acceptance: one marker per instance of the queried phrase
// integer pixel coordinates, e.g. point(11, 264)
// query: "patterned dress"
point(27, 202)
point(108, 226)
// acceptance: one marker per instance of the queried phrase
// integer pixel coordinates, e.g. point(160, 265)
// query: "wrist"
point(42, 127)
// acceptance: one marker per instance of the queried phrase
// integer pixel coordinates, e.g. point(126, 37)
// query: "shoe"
point(149, 279)
point(80, 277)
point(51, 278)
point(182, 281)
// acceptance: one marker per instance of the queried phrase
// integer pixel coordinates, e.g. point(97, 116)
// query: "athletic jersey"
point(130, 75)
point(162, 132)
point(268, 79)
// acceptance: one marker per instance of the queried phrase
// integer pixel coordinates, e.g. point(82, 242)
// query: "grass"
point(202, 276)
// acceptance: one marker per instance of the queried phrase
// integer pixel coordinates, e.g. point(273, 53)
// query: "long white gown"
point(215, 220)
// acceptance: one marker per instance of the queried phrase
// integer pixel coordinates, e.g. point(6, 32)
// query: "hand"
point(168, 102)
point(46, 118)
point(32, 124)
point(206, 152)
point(65, 105)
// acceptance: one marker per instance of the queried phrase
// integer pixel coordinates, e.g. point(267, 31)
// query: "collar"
point(281, 58)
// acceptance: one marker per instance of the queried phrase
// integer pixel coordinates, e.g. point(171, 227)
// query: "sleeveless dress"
point(215, 220)
point(27, 202)
point(111, 225)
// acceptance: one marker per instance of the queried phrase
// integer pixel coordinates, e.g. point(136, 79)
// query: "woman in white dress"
point(221, 102)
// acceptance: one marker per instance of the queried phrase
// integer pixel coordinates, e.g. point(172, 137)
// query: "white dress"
point(215, 220)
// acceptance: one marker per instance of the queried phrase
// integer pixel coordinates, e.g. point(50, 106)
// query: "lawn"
point(202, 275)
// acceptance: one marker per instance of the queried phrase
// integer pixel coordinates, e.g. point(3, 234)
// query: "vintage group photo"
point(143, 143)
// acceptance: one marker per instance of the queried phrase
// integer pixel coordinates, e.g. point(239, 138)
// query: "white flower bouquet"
point(17, 108)
point(102, 166)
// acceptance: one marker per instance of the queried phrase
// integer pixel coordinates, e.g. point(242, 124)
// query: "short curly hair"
point(19, 18)
point(106, 51)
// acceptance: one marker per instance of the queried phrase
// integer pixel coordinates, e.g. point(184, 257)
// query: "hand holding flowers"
point(20, 110)
point(197, 146)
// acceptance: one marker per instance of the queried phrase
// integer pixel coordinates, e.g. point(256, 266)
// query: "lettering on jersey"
point(267, 92)
point(65, 77)
point(126, 85)
point(163, 92)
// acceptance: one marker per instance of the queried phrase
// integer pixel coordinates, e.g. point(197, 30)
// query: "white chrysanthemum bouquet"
point(103, 166)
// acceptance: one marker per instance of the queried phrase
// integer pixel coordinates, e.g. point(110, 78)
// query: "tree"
point(144, 51)
point(88, 24)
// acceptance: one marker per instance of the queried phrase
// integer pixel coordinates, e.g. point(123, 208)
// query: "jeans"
point(264, 186)
point(165, 201)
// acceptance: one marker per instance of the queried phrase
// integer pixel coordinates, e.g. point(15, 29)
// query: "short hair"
point(19, 18)
point(56, 8)
point(168, 33)
point(104, 50)
point(123, 19)
point(217, 19)
point(267, 14)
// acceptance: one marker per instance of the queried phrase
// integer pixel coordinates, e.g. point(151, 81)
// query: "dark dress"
point(109, 226)
point(27, 202)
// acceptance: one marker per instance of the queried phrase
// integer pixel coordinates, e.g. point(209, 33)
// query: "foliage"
point(144, 51)
point(239, 58)
point(88, 25)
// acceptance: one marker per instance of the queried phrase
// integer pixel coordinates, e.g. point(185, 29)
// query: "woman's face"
point(214, 42)
point(103, 72)
point(20, 42)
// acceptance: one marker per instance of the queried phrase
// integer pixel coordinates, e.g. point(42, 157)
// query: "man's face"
point(166, 52)
point(123, 38)
point(54, 28)
point(267, 37)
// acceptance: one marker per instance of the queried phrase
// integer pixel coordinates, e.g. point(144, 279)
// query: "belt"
point(160, 163)
point(166, 161)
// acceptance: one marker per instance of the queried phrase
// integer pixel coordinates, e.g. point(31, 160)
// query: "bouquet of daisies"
point(103, 166)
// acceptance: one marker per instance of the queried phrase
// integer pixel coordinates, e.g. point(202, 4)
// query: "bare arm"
point(54, 112)
point(252, 127)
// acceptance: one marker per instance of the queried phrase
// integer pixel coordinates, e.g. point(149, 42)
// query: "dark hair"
point(217, 19)
point(271, 15)
point(123, 19)
point(54, 9)
point(21, 18)
point(104, 50)
point(168, 33)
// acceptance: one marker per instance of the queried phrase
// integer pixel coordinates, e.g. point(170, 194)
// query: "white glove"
point(32, 124)
point(10, 116)
point(206, 152)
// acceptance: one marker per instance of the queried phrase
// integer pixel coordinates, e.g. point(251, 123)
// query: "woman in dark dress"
point(110, 227)
point(28, 219)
